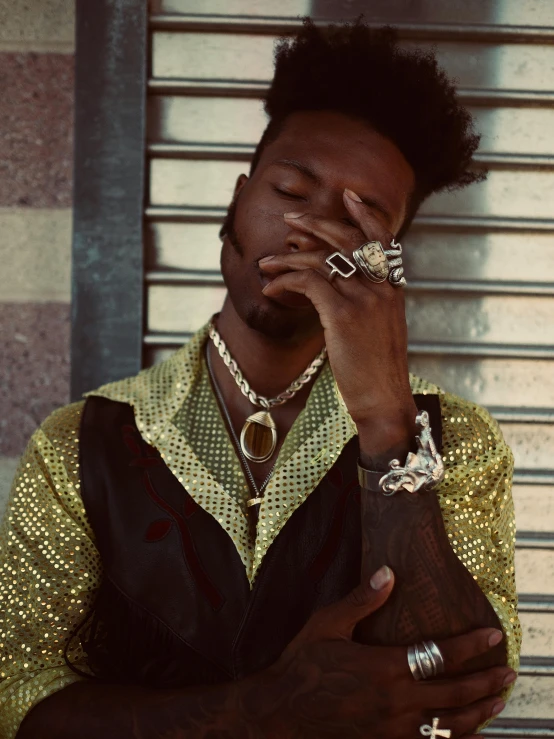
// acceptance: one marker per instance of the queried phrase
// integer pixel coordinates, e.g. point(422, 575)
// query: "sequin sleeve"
point(478, 510)
point(49, 570)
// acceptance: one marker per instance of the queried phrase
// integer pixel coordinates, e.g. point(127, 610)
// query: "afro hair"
point(403, 94)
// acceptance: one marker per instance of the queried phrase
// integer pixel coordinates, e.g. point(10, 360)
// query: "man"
point(182, 551)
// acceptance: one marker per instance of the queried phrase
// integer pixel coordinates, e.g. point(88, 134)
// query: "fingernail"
point(293, 215)
point(352, 195)
point(498, 708)
point(380, 578)
point(509, 679)
point(266, 259)
point(495, 638)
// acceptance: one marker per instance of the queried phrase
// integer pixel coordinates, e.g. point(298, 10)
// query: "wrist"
point(383, 438)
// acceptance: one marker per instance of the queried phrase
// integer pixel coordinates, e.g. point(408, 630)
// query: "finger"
point(340, 236)
point(316, 260)
point(467, 720)
point(462, 691)
point(306, 282)
point(365, 217)
point(459, 650)
point(296, 261)
point(338, 620)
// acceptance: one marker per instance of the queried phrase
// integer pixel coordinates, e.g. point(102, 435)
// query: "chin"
point(280, 323)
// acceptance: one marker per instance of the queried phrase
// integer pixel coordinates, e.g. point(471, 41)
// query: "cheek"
point(259, 221)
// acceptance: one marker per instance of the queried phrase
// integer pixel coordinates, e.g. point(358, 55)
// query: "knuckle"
point(317, 621)
point(343, 314)
point(448, 649)
point(463, 695)
point(355, 239)
point(359, 596)
point(461, 724)
point(311, 278)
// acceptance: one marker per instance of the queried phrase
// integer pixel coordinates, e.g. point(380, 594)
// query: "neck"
point(268, 365)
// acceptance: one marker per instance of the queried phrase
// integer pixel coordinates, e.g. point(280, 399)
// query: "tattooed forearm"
point(435, 596)
point(93, 710)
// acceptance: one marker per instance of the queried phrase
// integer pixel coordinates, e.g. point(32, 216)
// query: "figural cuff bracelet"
point(421, 471)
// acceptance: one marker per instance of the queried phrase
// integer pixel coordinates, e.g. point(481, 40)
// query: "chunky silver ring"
point(340, 265)
point(396, 271)
point(425, 660)
point(372, 260)
point(435, 655)
point(413, 663)
point(434, 731)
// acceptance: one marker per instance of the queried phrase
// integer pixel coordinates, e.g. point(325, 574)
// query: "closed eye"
point(287, 194)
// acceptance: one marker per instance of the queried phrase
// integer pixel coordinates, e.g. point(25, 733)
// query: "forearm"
point(95, 710)
point(435, 596)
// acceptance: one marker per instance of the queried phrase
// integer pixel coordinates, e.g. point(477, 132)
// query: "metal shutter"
point(480, 262)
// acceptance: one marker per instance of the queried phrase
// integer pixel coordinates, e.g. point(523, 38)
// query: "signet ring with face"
point(372, 261)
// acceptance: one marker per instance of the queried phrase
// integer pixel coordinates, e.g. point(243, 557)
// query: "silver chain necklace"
point(258, 438)
point(257, 499)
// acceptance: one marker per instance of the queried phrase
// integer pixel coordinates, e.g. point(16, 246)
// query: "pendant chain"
point(245, 388)
point(257, 491)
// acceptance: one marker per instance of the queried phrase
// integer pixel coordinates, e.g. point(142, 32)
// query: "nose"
point(300, 241)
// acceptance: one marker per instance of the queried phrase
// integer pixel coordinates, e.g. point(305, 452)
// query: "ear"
point(239, 184)
point(242, 179)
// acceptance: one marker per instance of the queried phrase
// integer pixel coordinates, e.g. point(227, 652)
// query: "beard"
point(274, 321)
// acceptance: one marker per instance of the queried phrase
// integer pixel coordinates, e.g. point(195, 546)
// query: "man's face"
point(306, 169)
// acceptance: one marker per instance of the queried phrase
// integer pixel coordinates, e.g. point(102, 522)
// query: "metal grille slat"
point(210, 214)
point(197, 22)
point(257, 89)
point(208, 277)
point(244, 152)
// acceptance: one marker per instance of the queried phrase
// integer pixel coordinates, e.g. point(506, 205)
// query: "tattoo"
point(91, 709)
point(434, 596)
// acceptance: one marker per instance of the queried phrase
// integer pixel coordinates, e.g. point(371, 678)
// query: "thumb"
point(338, 620)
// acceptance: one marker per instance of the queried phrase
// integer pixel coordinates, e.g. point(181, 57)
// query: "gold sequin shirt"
point(50, 568)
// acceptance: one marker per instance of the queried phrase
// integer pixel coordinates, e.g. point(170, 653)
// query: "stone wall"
point(36, 120)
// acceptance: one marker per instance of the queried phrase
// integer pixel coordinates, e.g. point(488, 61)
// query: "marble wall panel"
point(36, 119)
point(34, 371)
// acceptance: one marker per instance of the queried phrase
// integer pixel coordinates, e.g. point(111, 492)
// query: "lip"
point(288, 300)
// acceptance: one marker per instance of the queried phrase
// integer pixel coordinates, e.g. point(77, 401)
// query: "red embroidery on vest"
point(151, 458)
point(158, 529)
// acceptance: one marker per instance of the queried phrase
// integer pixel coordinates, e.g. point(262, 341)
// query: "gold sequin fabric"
point(50, 568)
point(200, 423)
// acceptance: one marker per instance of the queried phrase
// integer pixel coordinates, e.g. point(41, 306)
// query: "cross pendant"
point(434, 731)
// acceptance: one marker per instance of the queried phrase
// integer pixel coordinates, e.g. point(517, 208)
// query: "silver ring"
point(340, 265)
point(436, 656)
point(413, 663)
point(372, 260)
point(434, 731)
point(396, 273)
point(425, 660)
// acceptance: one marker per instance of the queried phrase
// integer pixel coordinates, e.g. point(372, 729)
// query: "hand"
point(364, 323)
point(328, 685)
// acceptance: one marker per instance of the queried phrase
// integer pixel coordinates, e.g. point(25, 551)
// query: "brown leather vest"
point(175, 607)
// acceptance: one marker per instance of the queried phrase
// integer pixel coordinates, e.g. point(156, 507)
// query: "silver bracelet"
point(422, 470)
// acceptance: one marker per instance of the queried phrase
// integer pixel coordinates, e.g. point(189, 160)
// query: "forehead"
point(345, 152)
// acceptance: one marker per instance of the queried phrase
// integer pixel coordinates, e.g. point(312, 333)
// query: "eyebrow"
point(311, 175)
point(303, 168)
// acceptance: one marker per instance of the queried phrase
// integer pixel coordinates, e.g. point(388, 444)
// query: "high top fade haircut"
point(403, 94)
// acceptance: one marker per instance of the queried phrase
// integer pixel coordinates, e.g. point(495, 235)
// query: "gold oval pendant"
point(258, 437)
